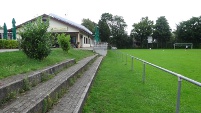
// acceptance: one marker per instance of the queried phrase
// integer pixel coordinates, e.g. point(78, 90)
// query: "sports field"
point(118, 89)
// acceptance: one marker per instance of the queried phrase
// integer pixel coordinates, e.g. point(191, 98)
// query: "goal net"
point(184, 45)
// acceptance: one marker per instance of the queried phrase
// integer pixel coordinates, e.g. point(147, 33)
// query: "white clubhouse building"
point(80, 35)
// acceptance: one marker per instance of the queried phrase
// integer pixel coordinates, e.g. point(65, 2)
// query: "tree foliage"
point(13, 29)
point(162, 31)
point(35, 39)
point(89, 24)
point(64, 41)
point(189, 31)
point(119, 35)
point(5, 31)
point(107, 17)
point(142, 30)
point(112, 29)
point(104, 27)
point(104, 31)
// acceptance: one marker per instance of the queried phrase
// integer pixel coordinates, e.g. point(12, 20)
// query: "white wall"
point(56, 26)
point(84, 42)
point(1, 30)
point(1, 33)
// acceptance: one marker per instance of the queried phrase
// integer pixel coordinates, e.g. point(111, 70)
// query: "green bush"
point(8, 44)
point(26, 84)
point(45, 104)
point(49, 103)
point(64, 41)
point(1, 44)
point(35, 41)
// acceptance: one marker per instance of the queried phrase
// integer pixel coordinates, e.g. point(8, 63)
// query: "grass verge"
point(118, 89)
point(13, 63)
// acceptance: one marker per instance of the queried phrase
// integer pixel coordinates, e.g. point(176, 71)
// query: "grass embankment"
point(117, 89)
point(12, 63)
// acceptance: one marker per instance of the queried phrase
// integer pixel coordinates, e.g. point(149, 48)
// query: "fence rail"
point(180, 77)
point(100, 48)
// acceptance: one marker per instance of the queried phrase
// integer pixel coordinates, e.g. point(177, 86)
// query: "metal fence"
point(179, 76)
point(100, 48)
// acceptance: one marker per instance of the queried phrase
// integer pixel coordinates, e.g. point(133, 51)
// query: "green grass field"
point(118, 89)
point(12, 63)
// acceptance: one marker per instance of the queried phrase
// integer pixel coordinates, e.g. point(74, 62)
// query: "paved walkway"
point(85, 48)
point(8, 50)
point(73, 101)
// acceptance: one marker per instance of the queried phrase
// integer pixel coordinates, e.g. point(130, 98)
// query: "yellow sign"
point(60, 29)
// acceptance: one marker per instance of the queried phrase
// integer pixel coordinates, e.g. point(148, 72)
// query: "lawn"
point(13, 63)
point(118, 89)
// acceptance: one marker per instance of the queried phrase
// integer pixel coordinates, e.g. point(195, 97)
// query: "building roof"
point(79, 26)
point(60, 19)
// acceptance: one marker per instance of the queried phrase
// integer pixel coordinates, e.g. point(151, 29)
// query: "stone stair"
point(16, 84)
point(73, 101)
point(42, 97)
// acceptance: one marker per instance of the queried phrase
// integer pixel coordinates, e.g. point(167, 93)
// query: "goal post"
point(184, 45)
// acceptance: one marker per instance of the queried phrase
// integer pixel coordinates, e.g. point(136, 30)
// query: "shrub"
point(35, 41)
point(1, 44)
point(64, 41)
point(26, 84)
point(45, 104)
point(49, 103)
point(8, 44)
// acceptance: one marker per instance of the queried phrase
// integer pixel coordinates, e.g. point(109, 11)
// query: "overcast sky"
point(132, 11)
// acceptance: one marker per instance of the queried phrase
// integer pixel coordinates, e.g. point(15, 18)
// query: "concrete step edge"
point(15, 84)
point(73, 100)
point(51, 93)
point(81, 102)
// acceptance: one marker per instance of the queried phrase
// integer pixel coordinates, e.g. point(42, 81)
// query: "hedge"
point(8, 44)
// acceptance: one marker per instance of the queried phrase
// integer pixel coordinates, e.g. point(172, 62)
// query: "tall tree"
point(14, 29)
point(189, 31)
point(104, 31)
point(5, 31)
point(112, 30)
point(162, 31)
point(118, 26)
point(104, 27)
point(89, 24)
point(107, 17)
point(142, 30)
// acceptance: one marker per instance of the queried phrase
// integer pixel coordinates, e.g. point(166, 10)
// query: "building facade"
point(80, 35)
point(1, 33)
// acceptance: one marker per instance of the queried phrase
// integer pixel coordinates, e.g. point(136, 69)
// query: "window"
point(73, 40)
point(44, 19)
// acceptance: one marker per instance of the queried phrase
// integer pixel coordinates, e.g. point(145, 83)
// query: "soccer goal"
point(185, 45)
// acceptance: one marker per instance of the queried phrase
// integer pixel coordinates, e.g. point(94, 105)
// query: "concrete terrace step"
point(72, 101)
point(34, 101)
point(16, 83)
